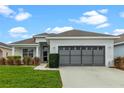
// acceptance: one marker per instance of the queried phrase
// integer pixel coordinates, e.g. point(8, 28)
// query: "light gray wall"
point(109, 46)
point(119, 51)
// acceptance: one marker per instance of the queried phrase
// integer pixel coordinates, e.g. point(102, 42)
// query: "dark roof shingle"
point(80, 33)
point(3, 44)
point(44, 34)
point(26, 41)
point(69, 33)
point(121, 39)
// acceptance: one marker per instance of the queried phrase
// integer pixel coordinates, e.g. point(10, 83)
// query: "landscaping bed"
point(26, 77)
point(119, 63)
point(17, 60)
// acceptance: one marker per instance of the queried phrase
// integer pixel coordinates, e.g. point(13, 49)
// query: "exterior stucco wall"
point(119, 51)
point(6, 51)
point(41, 39)
point(107, 43)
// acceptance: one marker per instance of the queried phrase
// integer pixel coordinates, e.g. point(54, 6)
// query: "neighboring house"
point(75, 47)
point(119, 46)
point(5, 50)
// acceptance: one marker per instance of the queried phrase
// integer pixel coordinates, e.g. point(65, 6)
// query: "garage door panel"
point(98, 52)
point(86, 60)
point(82, 55)
point(99, 60)
point(86, 52)
point(75, 52)
point(76, 60)
point(64, 60)
point(64, 52)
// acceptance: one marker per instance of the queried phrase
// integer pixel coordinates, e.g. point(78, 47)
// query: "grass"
point(26, 77)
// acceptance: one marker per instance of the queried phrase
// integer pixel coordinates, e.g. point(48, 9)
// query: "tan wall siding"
point(6, 51)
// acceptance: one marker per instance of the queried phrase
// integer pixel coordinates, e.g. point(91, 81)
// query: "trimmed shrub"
point(36, 61)
point(10, 60)
point(2, 61)
point(119, 62)
point(54, 60)
point(17, 60)
point(27, 60)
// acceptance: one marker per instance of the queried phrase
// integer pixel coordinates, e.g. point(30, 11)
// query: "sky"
point(20, 22)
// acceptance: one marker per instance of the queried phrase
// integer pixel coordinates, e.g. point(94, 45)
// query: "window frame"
point(29, 52)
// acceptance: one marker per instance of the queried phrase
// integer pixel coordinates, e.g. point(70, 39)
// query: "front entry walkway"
point(91, 77)
point(43, 66)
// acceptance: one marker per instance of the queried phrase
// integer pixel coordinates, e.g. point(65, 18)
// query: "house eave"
point(119, 43)
point(5, 47)
point(98, 37)
point(23, 44)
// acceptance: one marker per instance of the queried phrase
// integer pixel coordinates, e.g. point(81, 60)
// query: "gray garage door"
point(82, 55)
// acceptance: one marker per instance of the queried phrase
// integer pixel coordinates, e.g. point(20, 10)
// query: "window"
point(28, 52)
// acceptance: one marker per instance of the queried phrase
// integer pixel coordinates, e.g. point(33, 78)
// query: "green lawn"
point(26, 77)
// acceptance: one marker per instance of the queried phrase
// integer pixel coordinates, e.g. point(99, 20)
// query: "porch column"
point(13, 51)
point(37, 51)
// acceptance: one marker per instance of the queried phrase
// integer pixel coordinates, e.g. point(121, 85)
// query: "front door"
point(45, 53)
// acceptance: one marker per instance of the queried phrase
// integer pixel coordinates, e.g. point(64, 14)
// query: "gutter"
point(98, 37)
point(5, 47)
point(23, 44)
point(119, 43)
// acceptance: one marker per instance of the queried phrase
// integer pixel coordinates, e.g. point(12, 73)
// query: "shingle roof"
point(80, 33)
point(4, 45)
point(44, 34)
point(121, 39)
point(69, 33)
point(26, 41)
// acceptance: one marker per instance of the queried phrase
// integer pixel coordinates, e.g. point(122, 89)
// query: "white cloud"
point(103, 11)
point(22, 15)
point(103, 25)
point(118, 31)
point(6, 11)
point(9, 42)
point(91, 18)
point(106, 33)
point(48, 29)
point(58, 29)
point(17, 31)
point(121, 14)
point(26, 36)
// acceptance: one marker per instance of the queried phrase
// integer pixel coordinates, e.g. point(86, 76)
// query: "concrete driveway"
point(91, 77)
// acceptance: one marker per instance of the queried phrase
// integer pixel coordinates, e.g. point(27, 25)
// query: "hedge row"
point(16, 60)
point(54, 60)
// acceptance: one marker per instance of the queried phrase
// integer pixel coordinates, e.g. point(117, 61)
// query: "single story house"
point(5, 50)
point(119, 46)
point(75, 47)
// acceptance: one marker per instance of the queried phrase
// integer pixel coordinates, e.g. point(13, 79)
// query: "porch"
point(33, 50)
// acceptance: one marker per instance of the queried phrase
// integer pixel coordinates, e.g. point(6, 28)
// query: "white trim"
point(39, 36)
point(24, 44)
point(119, 43)
point(5, 47)
point(37, 51)
point(13, 51)
point(97, 37)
